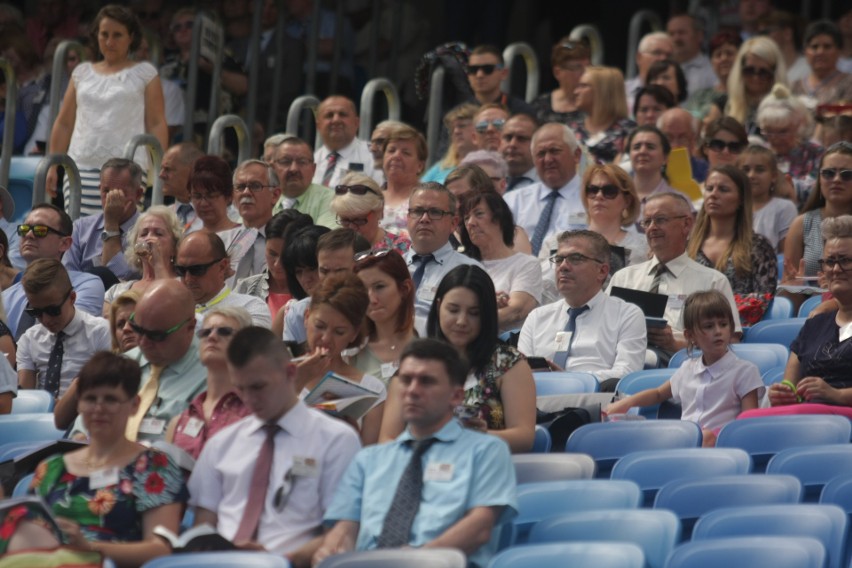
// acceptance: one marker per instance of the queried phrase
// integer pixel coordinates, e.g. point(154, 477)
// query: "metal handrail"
point(155, 156)
point(525, 51)
point(633, 37)
point(294, 114)
point(433, 114)
point(192, 76)
point(9, 123)
point(254, 66)
point(217, 130)
point(280, 26)
point(368, 95)
point(591, 33)
point(58, 73)
point(72, 173)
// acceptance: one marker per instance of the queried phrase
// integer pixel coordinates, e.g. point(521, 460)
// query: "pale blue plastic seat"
point(781, 331)
point(392, 558)
point(637, 381)
point(764, 355)
point(29, 401)
point(564, 382)
point(577, 554)
point(542, 441)
point(808, 305)
point(779, 308)
point(229, 559)
point(33, 427)
point(552, 467)
point(749, 552)
point(814, 466)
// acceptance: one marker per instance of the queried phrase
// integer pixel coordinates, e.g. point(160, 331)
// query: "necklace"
point(92, 466)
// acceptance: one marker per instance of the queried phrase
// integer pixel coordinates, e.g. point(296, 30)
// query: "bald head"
point(679, 127)
point(337, 122)
point(166, 307)
point(202, 264)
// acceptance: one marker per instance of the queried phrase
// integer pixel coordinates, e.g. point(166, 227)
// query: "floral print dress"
point(485, 393)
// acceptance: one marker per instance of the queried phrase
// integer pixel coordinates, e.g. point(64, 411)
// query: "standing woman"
point(569, 59)
point(772, 215)
point(106, 104)
point(600, 94)
point(390, 315)
point(723, 239)
point(500, 389)
point(758, 66)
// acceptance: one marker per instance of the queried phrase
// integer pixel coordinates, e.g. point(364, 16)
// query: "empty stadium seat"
point(552, 467)
point(749, 552)
point(814, 466)
point(764, 355)
point(638, 381)
point(564, 382)
point(559, 555)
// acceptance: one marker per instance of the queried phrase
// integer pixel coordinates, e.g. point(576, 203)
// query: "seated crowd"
point(211, 326)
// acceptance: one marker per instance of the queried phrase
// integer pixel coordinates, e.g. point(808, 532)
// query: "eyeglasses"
point(487, 69)
point(354, 189)
point(843, 263)
point(378, 253)
point(223, 331)
point(434, 213)
point(829, 174)
point(718, 145)
point(482, 125)
point(662, 54)
point(178, 26)
point(111, 404)
point(52, 311)
point(201, 197)
point(378, 141)
point(39, 231)
point(609, 191)
point(156, 336)
point(761, 72)
point(253, 186)
point(660, 220)
point(347, 223)
point(574, 259)
point(775, 133)
point(287, 162)
point(196, 270)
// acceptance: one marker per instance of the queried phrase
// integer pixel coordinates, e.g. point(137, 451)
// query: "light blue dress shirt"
point(87, 247)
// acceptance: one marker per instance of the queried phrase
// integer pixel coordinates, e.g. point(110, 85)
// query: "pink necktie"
point(257, 490)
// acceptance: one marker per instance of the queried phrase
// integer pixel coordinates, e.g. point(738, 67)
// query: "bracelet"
point(789, 384)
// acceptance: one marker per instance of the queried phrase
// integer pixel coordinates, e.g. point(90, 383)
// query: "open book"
point(342, 396)
point(197, 539)
point(13, 469)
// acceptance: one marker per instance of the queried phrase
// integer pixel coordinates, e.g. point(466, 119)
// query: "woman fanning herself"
point(111, 494)
point(390, 315)
point(333, 323)
point(106, 104)
point(500, 391)
point(736, 386)
point(772, 215)
point(723, 239)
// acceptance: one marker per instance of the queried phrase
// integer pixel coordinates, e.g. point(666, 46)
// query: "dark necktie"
point(561, 357)
point(25, 322)
point(658, 276)
point(54, 366)
point(257, 489)
point(184, 210)
point(543, 222)
point(396, 529)
point(423, 259)
point(331, 163)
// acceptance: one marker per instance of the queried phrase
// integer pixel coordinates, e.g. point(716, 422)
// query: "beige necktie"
point(146, 398)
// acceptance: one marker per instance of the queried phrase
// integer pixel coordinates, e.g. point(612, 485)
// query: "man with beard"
point(295, 167)
point(255, 193)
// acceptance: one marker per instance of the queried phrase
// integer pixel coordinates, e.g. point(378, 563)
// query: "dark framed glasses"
point(842, 262)
point(154, 335)
point(829, 174)
point(349, 222)
point(378, 253)
point(574, 259)
point(252, 186)
point(223, 331)
point(355, 190)
point(761, 72)
point(487, 69)
point(434, 213)
point(52, 311)
point(194, 269)
point(482, 125)
point(609, 190)
point(719, 145)
point(39, 231)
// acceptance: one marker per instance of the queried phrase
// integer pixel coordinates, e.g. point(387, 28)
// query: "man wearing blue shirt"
point(464, 479)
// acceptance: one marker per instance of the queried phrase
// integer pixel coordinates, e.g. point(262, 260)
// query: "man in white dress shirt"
point(687, 33)
point(654, 46)
point(516, 147)
point(341, 151)
point(608, 337)
point(668, 221)
point(256, 191)
point(304, 450)
point(555, 204)
point(174, 173)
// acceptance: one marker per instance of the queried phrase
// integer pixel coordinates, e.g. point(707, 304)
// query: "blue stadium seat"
point(779, 308)
point(542, 442)
point(656, 532)
point(564, 382)
point(606, 442)
point(12, 450)
point(228, 559)
point(531, 468)
point(749, 552)
point(654, 468)
point(763, 437)
point(838, 492)
point(29, 401)
point(814, 466)
point(808, 305)
point(773, 375)
point(764, 355)
point(21, 174)
point(22, 486)
point(638, 381)
point(390, 558)
point(559, 555)
point(35, 427)
point(826, 523)
point(782, 331)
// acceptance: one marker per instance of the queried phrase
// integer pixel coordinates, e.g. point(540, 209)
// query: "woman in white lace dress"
point(107, 103)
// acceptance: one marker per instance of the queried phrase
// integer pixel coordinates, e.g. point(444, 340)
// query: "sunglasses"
point(52, 311)
point(761, 72)
point(378, 253)
point(609, 191)
point(354, 189)
point(154, 335)
point(719, 145)
point(39, 231)
point(178, 26)
point(482, 125)
point(829, 174)
point(194, 269)
point(223, 331)
point(488, 68)
point(356, 222)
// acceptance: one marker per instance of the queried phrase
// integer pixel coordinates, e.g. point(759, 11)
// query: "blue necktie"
point(423, 259)
point(184, 210)
point(561, 357)
point(543, 222)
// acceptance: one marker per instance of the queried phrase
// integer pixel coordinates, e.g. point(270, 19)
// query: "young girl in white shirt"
point(715, 387)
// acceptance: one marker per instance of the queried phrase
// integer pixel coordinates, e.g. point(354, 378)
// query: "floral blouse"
point(544, 111)
point(607, 145)
point(112, 513)
point(802, 165)
point(485, 393)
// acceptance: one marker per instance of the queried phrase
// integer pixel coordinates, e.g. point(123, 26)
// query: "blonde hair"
point(464, 111)
point(126, 298)
point(610, 98)
point(767, 50)
point(620, 178)
point(351, 204)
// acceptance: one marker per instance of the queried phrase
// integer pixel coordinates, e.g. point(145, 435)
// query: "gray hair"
point(682, 202)
point(568, 135)
point(837, 227)
point(648, 38)
point(488, 158)
point(781, 108)
point(236, 313)
point(271, 177)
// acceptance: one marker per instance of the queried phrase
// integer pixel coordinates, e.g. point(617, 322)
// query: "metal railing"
point(526, 52)
point(433, 116)
point(9, 122)
point(192, 75)
point(72, 173)
point(155, 157)
point(294, 116)
point(368, 96)
point(590, 33)
point(58, 76)
point(633, 36)
point(217, 131)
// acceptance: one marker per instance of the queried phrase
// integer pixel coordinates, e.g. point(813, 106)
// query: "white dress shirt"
point(257, 308)
point(84, 335)
point(684, 276)
point(609, 340)
point(527, 205)
point(699, 73)
point(312, 447)
point(354, 158)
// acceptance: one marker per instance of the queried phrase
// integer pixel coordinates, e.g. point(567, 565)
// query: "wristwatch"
point(106, 235)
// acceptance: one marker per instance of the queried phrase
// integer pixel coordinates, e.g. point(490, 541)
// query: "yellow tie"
point(146, 398)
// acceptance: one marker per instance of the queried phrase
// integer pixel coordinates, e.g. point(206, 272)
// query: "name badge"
point(153, 426)
point(426, 293)
point(437, 471)
point(304, 466)
point(388, 369)
point(577, 220)
point(103, 478)
point(676, 302)
point(193, 427)
point(563, 339)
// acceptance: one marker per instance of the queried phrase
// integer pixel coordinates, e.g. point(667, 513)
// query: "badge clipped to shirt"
point(563, 340)
point(426, 293)
point(438, 471)
point(103, 478)
point(676, 302)
point(304, 466)
point(153, 426)
point(387, 370)
point(193, 427)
